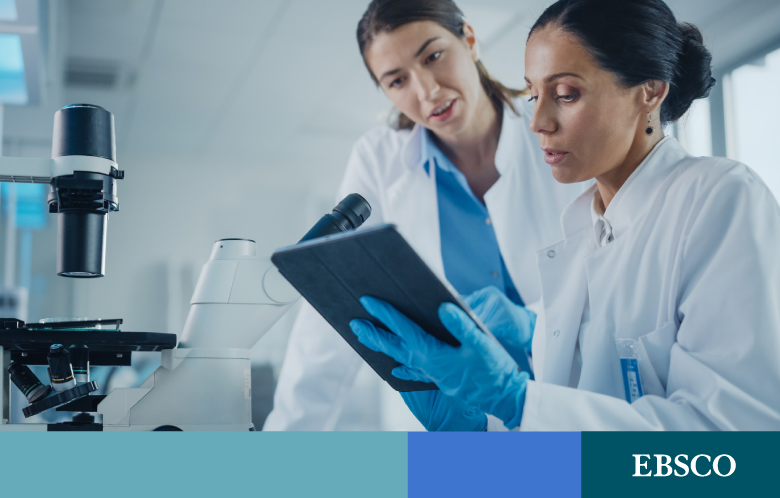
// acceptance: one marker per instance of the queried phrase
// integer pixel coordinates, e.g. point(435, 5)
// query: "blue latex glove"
point(437, 412)
point(479, 373)
point(513, 325)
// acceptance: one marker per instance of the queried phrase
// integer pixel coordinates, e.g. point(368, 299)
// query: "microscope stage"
point(106, 348)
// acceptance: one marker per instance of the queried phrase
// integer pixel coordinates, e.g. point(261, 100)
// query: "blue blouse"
point(469, 247)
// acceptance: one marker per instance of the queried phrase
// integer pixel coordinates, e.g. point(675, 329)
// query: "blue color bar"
point(459, 464)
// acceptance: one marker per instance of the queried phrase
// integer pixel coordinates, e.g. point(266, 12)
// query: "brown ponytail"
point(388, 15)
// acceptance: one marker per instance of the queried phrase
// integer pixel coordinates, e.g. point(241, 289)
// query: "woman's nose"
point(542, 120)
point(426, 84)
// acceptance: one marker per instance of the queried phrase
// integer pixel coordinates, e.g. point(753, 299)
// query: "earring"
point(649, 130)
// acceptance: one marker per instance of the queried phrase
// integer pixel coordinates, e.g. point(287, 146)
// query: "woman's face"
point(586, 121)
point(429, 74)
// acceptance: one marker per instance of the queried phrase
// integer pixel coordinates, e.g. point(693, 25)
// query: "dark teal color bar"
point(214, 464)
point(608, 464)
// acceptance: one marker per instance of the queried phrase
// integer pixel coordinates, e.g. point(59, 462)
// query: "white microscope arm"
point(36, 170)
point(238, 298)
point(205, 383)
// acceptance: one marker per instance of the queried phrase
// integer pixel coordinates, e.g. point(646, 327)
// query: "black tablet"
point(334, 272)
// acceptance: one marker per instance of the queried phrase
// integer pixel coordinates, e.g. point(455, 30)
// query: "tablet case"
point(334, 272)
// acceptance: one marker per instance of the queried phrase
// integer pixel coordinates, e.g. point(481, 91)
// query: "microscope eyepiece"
point(355, 209)
point(349, 214)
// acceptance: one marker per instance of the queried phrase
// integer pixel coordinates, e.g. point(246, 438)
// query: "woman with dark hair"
point(460, 175)
point(662, 301)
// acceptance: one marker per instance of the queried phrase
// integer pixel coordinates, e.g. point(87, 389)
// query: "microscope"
point(81, 175)
point(205, 382)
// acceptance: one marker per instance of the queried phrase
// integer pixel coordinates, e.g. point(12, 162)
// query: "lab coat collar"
point(632, 198)
point(416, 151)
point(431, 152)
point(414, 148)
point(576, 215)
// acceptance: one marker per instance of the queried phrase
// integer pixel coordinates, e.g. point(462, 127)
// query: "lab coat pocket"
point(654, 352)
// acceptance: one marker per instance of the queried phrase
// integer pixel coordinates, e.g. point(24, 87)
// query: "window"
point(13, 87)
point(8, 10)
point(693, 130)
point(753, 117)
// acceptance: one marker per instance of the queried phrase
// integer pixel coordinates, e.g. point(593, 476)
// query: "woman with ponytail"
point(458, 172)
point(662, 301)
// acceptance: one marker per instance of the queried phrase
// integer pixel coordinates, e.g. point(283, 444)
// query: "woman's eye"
point(533, 99)
point(567, 98)
point(434, 56)
point(395, 82)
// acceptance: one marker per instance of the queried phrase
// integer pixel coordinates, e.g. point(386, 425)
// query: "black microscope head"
point(83, 197)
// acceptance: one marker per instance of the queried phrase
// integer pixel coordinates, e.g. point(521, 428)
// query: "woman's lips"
point(552, 156)
point(446, 114)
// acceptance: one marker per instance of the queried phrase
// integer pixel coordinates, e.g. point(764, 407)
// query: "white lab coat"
point(525, 206)
point(693, 276)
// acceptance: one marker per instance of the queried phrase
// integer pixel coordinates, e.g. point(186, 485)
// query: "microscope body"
point(205, 383)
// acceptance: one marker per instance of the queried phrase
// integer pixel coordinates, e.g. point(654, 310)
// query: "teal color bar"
point(215, 464)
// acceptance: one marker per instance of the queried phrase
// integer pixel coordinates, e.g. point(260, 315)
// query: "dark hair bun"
point(693, 78)
point(639, 41)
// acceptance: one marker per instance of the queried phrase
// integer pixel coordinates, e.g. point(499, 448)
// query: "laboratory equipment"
point(27, 382)
point(60, 369)
point(79, 359)
point(205, 383)
point(82, 175)
point(23, 344)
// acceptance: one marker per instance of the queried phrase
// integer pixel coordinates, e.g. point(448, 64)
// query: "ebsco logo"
point(663, 466)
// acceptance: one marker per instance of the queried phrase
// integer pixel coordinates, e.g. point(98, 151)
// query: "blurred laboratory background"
point(235, 118)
